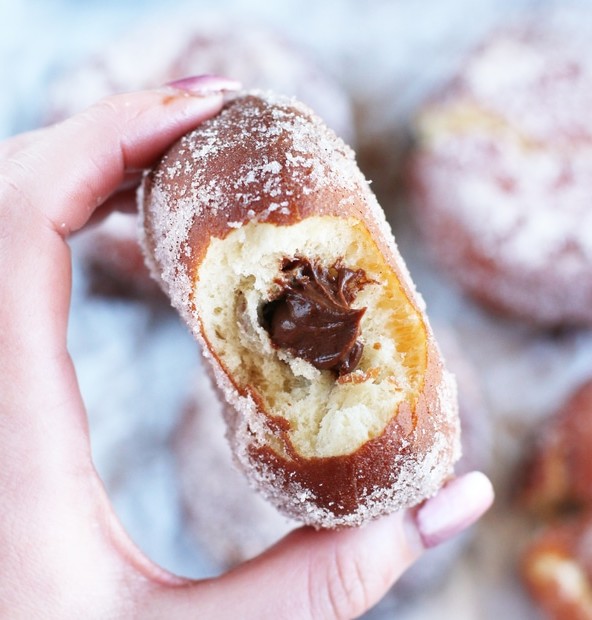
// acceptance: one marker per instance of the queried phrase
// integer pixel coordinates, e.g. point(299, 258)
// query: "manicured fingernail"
point(459, 504)
point(205, 84)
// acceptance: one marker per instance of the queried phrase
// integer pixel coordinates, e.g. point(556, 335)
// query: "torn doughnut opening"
point(331, 410)
point(312, 316)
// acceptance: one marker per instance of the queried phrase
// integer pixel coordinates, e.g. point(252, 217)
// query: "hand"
point(64, 554)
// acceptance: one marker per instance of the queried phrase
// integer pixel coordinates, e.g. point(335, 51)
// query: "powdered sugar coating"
point(184, 43)
point(293, 167)
point(503, 174)
point(156, 52)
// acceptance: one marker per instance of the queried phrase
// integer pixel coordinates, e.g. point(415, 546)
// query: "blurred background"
point(371, 70)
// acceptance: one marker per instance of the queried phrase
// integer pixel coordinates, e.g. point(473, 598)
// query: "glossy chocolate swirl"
point(312, 317)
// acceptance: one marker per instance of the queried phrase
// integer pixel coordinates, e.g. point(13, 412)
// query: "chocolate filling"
point(312, 317)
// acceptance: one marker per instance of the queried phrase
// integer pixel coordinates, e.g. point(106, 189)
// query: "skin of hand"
point(64, 553)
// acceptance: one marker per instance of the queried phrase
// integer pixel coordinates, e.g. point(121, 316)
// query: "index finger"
point(75, 165)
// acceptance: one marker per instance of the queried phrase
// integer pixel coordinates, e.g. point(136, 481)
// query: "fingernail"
point(205, 84)
point(459, 504)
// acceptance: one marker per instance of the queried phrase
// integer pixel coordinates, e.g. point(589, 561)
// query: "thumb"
point(330, 574)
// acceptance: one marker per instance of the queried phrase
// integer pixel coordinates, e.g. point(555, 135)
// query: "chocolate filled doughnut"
point(264, 234)
point(231, 523)
point(437, 564)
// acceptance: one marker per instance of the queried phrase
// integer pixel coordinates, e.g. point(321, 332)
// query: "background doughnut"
point(501, 176)
point(154, 53)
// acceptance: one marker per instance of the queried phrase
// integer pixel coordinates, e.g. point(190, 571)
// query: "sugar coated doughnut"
point(501, 178)
point(558, 476)
point(267, 239)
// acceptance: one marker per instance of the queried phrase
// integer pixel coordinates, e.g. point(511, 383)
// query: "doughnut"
point(557, 488)
point(500, 180)
point(187, 45)
point(474, 416)
point(157, 51)
point(265, 236)
point(556, 568)
point(558, 476)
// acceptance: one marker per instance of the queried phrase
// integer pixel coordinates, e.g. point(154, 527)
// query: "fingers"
point(54, 179)
point(331, 574)
point(72, 167)
point(123, 199)
point(50, 183)
point(459, 505)
point(12, 145)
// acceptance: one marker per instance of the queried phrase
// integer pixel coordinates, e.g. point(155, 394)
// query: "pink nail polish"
point(459, 504)
point(205, 84)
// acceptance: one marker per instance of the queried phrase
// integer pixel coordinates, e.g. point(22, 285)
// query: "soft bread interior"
point(328, 416)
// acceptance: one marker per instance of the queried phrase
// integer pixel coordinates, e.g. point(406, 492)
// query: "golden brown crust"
point(300, 170)
point(369, 469)
point(557, 569)
point(307, 198)
point(557, 565)
point(559, 475)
